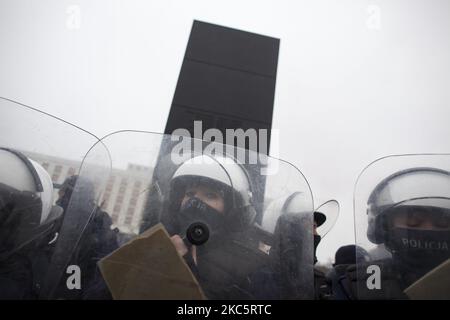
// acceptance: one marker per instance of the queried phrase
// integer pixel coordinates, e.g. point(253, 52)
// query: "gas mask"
point(198, 222)
point(418, 251)
point(222, 261)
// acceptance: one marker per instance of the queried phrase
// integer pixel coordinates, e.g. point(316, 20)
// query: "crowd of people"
point(234, 249)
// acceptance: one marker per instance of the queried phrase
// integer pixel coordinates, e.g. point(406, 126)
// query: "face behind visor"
point(409, 212)
point(224, 254)
point(198, 219)
point(221, 175)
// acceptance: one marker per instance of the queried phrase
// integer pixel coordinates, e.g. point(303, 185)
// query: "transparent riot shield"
point(38, 152)
point(189, 221)
point(329, 209)
point(402, 219)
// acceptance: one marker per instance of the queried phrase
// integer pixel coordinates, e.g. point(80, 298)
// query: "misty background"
point(356, 80)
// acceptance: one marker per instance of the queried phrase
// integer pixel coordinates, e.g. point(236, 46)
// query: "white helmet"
point(224, 171)
point(26, 197)
point(415, 187)
point(295, 204)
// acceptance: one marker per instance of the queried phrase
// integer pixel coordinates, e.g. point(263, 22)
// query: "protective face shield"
point(246, 253)
point(28, 214)
point(408, 212)
point(287, 235)
point(26, 201)
point(65, 191)
point(219, 177)
point(325, 217)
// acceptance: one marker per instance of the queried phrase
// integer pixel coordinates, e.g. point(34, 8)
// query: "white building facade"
point(124, 197)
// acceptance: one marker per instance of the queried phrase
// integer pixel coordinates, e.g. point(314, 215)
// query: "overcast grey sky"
point(356, 80)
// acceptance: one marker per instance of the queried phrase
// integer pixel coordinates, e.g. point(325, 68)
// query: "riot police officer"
point(27, 217)
point(409, 213)
point(211, 214)
point(292, 250)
